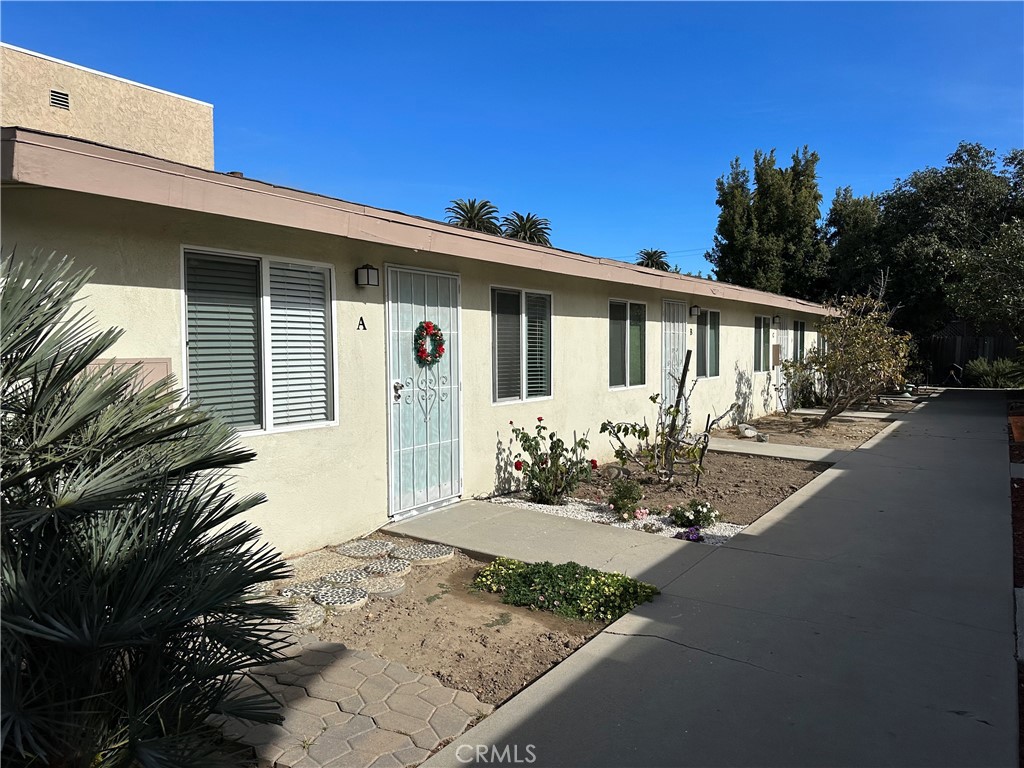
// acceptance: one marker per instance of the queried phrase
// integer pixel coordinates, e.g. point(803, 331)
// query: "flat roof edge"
point(96, 169)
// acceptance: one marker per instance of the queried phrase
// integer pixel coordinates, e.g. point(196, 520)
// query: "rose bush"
point(550, 467)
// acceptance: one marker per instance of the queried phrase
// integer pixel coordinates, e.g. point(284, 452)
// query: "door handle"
point(397, 387)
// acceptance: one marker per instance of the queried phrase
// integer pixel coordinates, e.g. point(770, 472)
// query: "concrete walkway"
point(867, 620)
point(777, 450)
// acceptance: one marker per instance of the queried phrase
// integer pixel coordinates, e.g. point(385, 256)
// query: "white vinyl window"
point(762, 343)
point(521, 341)
point(799, 339)
point(627, 344)
point(708, 325)
point(259, 340)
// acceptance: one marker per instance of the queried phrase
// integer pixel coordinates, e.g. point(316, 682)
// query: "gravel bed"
point(594, 512)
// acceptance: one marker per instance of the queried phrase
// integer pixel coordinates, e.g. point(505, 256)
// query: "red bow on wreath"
point(427, 330)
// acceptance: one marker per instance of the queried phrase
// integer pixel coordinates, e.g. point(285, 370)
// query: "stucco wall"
point(104, 109)
point(328, 484)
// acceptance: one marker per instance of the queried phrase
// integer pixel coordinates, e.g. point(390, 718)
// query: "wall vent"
point(60, 100)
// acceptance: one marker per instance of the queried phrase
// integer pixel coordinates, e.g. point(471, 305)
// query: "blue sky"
point(613, 120)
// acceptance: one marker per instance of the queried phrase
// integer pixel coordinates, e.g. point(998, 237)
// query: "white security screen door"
point(673, 346)
point(426, 425)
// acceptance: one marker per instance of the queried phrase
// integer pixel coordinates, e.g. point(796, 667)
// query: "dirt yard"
point(841, 432)
point(741, 487)
point(468, 640)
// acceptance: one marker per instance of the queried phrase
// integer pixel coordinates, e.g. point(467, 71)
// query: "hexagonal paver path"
point(346, 709)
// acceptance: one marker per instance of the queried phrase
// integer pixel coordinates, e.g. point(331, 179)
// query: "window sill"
point(523, 400)
point(290, 428)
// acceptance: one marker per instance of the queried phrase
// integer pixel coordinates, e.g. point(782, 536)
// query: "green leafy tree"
point(653, 258)
point(478, 215)
point(858, 355)
point(768, 236)
point(928, 223)
point(527, 227)
point(126, 621)
point(990, 290)
point(851, 232)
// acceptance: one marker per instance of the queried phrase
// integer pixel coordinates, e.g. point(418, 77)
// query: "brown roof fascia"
point(60, 162)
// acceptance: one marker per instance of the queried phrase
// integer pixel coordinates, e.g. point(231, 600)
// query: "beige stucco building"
point(246, 292)
point(55, 96)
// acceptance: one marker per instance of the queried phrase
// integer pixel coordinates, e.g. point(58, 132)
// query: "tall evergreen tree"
point(768, 237)
point(851, 231)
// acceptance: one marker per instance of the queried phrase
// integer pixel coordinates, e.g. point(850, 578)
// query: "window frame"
point(629, 304)
point(799, 340)
point(266, 359)
point(718, 341)
point(765, 329)
point(523, 352)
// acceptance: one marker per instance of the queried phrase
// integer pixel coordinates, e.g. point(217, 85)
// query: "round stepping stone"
point(302, 589)
point(307, 616)
point(342, 598)
point(388, 566)
point(365, 548)
point(262, 589)
point(346, 576)
point(383, 586)
point(424, 554)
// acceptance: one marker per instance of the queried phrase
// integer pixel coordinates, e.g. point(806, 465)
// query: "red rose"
point(593, 463)
point(540, 418)
point(519, 466)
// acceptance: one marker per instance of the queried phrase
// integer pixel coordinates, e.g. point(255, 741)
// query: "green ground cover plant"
point(568, 589)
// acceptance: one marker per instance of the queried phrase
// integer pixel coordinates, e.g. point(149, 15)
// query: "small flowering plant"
point(696, 513)
point(690, 534)
point(551, 468)
point(624, 500)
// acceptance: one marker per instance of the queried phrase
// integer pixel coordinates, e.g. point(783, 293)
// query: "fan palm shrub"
point(126, 621)
point(653, 258)
point(478, 215)
point(527, 227)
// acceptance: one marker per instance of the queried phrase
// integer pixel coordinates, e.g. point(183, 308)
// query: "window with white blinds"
point(521, 339)
point(627, 344)
point(259, 340)
point(299, 344)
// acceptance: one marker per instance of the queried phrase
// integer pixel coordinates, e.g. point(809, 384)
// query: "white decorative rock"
point(424, 554)
point(342, 598)
point(347, 576)
point(365, 548)
point(388, 566)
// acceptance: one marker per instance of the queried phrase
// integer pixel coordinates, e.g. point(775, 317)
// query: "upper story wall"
point(103, 109)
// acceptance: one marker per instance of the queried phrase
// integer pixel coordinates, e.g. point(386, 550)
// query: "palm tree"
point(125, 567)
point(653, 258)
point(481, 215)
point(528, 227)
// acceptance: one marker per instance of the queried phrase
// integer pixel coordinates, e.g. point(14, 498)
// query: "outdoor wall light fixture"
point(694, 311)
point(777, 320)
point(367, 276)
